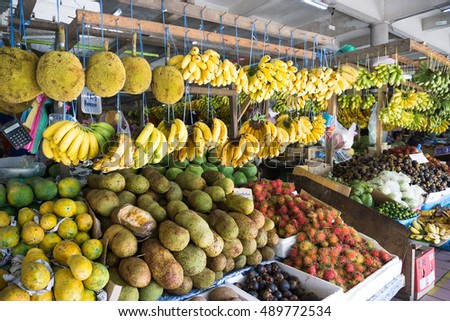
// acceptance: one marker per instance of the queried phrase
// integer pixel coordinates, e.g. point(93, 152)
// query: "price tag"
point(246, 192)
point(420, 158)
point(90, 103)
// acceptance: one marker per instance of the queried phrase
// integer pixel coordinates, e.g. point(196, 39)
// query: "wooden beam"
point(213, 91)
point(430, 53)
point(332, 110)
point(27, 6)
point(72, 34)
point(229, 19)
point(391, 48)
point(405, 61)
point(152, 29)
point(379, 129)
point(412, 85)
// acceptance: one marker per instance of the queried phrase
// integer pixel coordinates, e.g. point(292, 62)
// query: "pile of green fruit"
point(361, 193)
point(396, 211)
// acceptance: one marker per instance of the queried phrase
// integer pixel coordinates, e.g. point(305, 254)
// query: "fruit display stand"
point(391, 235)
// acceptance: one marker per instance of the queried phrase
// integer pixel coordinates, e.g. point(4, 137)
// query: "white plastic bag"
point(372, 127)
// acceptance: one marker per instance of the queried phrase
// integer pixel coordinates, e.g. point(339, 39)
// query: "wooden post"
point(332, 110)
point(379, 130)
point(234, 115)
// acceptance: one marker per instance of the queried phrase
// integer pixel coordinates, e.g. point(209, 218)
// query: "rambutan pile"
point(330, 249)
point(290, 212)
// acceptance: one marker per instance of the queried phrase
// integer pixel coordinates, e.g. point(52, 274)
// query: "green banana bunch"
point(348, 116)
point(436, 81)
point(387, 74)
point(364, 80)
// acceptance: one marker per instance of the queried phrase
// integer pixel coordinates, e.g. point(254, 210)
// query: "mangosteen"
point(278, 276)
point(265, 295)
point(283, 299)
point(268, 278)
point(260, 269)
point(277, 294)
point(299, 292)
point(311, 297)
point(286, 293)
point(275, 267)
point(293, 297)
point(239, 285)
point(283, 285)
point(293, 284)
point(253, 286)
point(253, 293)
point(262, 284)
point(251, 273)
point(274, 298)
point(268, 268)
point(285, 275)
point(271, 287)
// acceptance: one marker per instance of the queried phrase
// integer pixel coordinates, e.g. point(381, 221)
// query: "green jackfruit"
point(138, 75)
point(60, 75)
point(105, 74)
point(18, 75)
point(167, 84)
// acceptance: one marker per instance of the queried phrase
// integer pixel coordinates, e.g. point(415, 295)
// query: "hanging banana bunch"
point(119, 156)
point(237, 152)
point(364, 80)
point(151, 146)
point(263, 130)
point(175, 132)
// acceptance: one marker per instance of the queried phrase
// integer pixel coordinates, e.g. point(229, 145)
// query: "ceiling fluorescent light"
point(316, 3)
point(117, 13)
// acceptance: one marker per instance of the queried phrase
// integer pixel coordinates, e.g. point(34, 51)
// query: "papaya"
point(66, 287)
point(35, 276)
point(65, 249)
point(33, 255)
point(43, 189)
point(80, 267)
point(32, 234)
point(9, 237)
point(46, 296)
point(2, 195)
point(19, 194)
point(98, 278)
point(69, 187)
point(14, 293)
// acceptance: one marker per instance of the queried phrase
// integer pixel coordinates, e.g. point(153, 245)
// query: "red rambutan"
point(301, 237)
point(368, 261)
point(335, 251)
point(350, 255)
point(305, 246)
point(321, 236)
point(359, 277)
point(385, 257)
point(333, 239)
point(359, 258)
point(312, 269)
point(307, 261)
point(329, 274)
point(349, 268)
point(342, 260)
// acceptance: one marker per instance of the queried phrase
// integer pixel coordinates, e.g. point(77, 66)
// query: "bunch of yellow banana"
point(348, 116)
point(176, 134)
point(151, 146)
point(70, 143)
point(270, 76)
point(294, 127)
point(318, 130)
point(348, 75)
point(295, 102)
point(241, 81)
point(239, 151)
point(406, 99)
point(119, 156)
point(219, 133)
point(437, 125)
point(263, 130)
point(196, 67)
point(364, 80)
point(423, 102)
point(428, 232)
point(225, 75)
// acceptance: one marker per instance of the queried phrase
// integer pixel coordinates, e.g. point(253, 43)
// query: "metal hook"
point(201, 11)
point(223, 14)
point(282, 27)
point(235, 19)
point(268, 23)
point(187, 3)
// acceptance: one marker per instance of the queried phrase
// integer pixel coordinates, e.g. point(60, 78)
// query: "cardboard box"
point(424, 272)
point(335, 186)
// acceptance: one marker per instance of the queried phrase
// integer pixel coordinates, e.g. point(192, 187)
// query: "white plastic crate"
point(323, 289)
point(284, 245)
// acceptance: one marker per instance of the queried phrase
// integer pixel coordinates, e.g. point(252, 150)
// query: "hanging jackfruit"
point(18, 75)
point(138, 72)
point(60, 74)
point(105, 73)
point(11, 108)
point(167, 84)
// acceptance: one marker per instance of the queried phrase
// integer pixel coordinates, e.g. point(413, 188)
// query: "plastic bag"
point(372, 127)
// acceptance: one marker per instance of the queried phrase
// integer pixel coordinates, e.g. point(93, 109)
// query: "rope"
point(117, 36)
point(22, 24)
point(202, 29)
point(223, 37)
point(11, 22)
point(141, 45)
point(187, 44)
point(237, 39)
point(131, 16)
point(266, 39)
point(163, 10)
point(292, 45)
point(305, 56)
point(101, 22)
point(254, 38)
point(279, 42)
